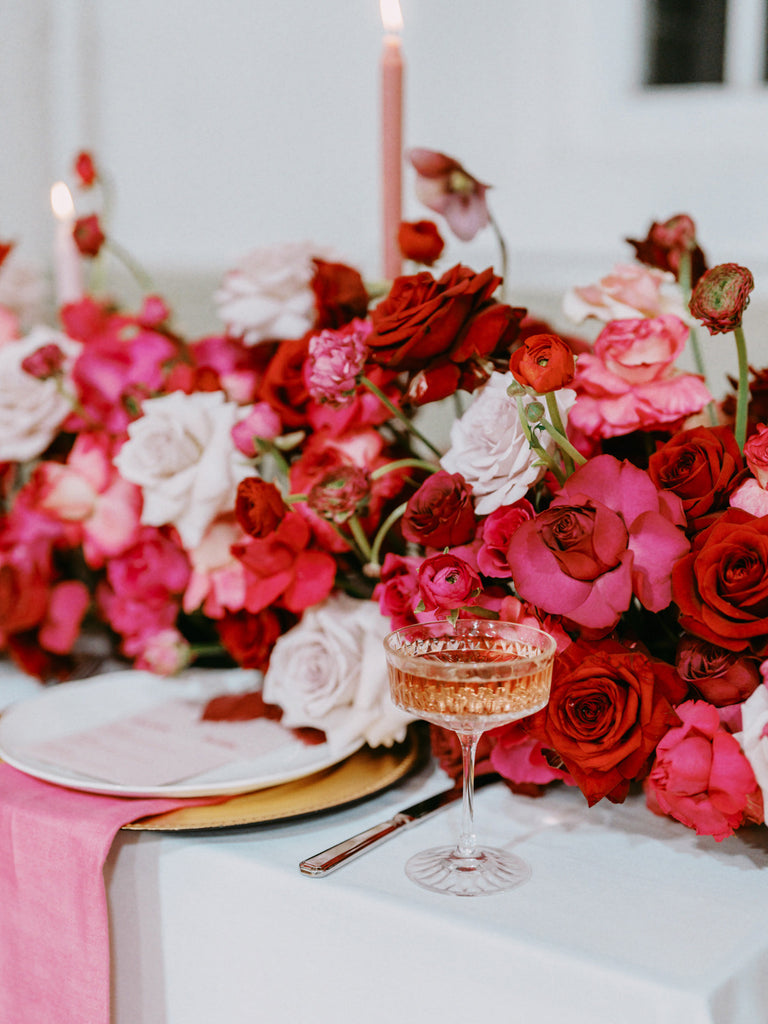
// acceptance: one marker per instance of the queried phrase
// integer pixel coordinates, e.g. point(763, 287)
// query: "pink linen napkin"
point(54, 929)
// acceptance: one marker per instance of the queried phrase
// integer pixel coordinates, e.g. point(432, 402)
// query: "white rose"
point(754, 735)
point(31, 410)
point(490, 450)
point(269, 295)
point(329, 672)
point(180, 452)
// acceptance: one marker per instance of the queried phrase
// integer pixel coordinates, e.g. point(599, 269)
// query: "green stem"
point(390, 467)
point(557, 423)
point(503, 258)
point(142, 278)
point(398, 413)
point(684, 280)
point(360, 539)
point(742, 401)
point(533, 441)
point(563, 442)
point(382, 532)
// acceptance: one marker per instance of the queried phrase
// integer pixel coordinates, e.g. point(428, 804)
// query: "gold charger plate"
point(365, 773)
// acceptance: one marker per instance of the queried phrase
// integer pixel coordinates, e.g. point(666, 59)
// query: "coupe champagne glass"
point(469, 676)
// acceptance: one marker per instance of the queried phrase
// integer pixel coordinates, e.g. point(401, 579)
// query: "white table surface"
point(627, 919)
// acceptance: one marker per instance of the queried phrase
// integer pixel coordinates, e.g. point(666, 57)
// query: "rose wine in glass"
point(469, 676)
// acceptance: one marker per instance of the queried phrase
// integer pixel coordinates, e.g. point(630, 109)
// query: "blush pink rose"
point(629, 382)
point(607, 535)
point(701, 776)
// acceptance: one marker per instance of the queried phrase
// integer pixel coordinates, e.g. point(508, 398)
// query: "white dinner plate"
point(71, 708)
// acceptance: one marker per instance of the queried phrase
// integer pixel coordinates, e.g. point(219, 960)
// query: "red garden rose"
point(721, 586)
point(259, 506)
point(340, 295)
point(420, 241)
point(721, 677)
point(283, 385)
point(440, 514)
point(608, 708)
point(422, 319)
point(721, 296)
point(543, 362)
point(447, 582)
point(250, 638)
point(701, 466)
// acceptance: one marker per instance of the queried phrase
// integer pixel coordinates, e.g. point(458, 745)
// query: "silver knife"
point(322, 863)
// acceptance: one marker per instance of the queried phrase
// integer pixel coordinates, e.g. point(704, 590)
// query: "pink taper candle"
point(391, 135)
point(67, 267)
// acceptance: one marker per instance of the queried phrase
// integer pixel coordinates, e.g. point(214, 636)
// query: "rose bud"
point(440, 514)
point(543, 362)
point(259, 506)
point(340, 493)
point(46, 361)
point(721, 677)
point(88, 235)
point(721, 296)
point(420, 241)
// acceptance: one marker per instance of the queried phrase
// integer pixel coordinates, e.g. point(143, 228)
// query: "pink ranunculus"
point(700, 776)
point(607, 535)
point(629, 382)
point(261, 422)
point(629, 291)
point(335, 362)
point(496, 532)
point(447, 582)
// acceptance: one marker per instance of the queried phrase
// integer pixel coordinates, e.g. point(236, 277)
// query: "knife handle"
point(331, 858)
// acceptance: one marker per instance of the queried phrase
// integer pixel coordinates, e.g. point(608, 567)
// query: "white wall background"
point(229, 124)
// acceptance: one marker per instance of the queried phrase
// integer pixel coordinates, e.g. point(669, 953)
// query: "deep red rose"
point(721, 296)
point(283, 384)
point(420, 241)
point(608, 708)
point(441, 380)
point(249, 638)
point(543, 362)
point(88, 235)
point(666, 242)
point(340, 294)
point(721, 677)
point(85, 169)
point(422, 319)
point(447, 582)
point(721, 586)
point(701, 466)
point(259, 506)
point(440, 514)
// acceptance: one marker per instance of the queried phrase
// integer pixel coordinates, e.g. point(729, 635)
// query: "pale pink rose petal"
point(751, 497)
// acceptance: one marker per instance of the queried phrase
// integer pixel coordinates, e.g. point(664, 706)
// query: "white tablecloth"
point(627, 919)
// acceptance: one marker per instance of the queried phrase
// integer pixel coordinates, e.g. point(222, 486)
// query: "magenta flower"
point(608, 534)
point(444, 186)
point(447, 582)
point(336, 360)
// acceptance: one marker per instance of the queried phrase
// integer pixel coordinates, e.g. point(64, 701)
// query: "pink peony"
point(607, 535)
point(700, 776)
point(629, 382)
point(336, 360)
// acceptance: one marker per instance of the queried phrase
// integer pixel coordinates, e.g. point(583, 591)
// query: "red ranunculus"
point(543, 362)
point(249, 638)
point(420, 241)
point(88, 235)
point(440, 514)
point(721, 586)
point(340, 294)
point(701, 466)
point(721, 296)
point(608, 708)
point(259, 506)
point(422, 319)
point(447, 582)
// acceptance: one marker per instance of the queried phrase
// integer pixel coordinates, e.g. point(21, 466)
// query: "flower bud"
point(721, 296)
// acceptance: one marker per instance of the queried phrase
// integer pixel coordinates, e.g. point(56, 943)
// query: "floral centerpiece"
point(272, 495)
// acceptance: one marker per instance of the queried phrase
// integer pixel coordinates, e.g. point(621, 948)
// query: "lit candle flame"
point(391, 15)
point(61, 201)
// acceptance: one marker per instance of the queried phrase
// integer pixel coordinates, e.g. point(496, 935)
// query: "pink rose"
point(447, 582)
point(629, 383)
point(756, 455)
point(520, 758)
point(607, 535)
point(496, 532)
point(700, 776)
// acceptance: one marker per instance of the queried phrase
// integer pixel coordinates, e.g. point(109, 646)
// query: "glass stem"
point(467, 846)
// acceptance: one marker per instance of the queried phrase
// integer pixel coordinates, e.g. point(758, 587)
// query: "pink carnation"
point(700, 776)
point(336, 360)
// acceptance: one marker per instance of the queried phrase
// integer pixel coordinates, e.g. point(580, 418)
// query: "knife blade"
point(323, 863)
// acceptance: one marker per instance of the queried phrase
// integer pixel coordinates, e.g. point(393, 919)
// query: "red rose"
point(440, 514)
point(721, 296)
point(88, 235)
point(420, 241)
point(543, 362)
point(441, 380)
point(340, 295)
point(608, 708)
point(721, 586)
point(447, 582)
point(721, 677)
point(250, 638)
point(283, 385)
point(422, 319)
point(701, 466)
point(259, 506)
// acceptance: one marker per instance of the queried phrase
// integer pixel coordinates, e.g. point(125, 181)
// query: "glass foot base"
point(487, 872)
